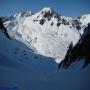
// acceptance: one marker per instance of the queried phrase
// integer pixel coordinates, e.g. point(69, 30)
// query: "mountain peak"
point(47, 9)
point(48, 13)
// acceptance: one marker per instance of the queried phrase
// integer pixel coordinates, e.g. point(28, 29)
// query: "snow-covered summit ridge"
point(48, 9)
point(23, 14)
point(47, 32)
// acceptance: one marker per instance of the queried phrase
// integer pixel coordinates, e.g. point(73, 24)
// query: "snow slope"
point(27, 61)
point(36, 72)
point(47, 32)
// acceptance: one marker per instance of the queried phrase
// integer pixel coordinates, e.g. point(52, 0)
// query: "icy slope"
point(47, 32)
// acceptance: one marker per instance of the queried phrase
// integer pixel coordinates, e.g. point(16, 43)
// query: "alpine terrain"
point(38, 44)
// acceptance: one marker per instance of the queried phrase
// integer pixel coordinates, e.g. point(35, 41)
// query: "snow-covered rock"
point(47, 32)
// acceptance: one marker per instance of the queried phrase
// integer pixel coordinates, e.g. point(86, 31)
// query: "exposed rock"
point(80, 51)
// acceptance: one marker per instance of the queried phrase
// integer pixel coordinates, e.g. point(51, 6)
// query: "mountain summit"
point(48, 12)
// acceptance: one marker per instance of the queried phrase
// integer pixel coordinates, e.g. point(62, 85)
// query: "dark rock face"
point(78, 52)
point(58, 24)
point(65, 22)
point(3, 29)
point(42, 21)
point(48, 14)
point(78, 27)
point(76, 23)
point(26, 14)
point(52, 24)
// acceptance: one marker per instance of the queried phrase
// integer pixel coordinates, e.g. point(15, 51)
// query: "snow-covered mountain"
point(47, 32)
point(37, 42)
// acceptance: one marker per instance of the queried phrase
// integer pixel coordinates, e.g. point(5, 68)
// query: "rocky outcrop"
point(80, 51)
point(3, 29)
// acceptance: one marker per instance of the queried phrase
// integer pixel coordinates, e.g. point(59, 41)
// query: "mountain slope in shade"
point(36, 71)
